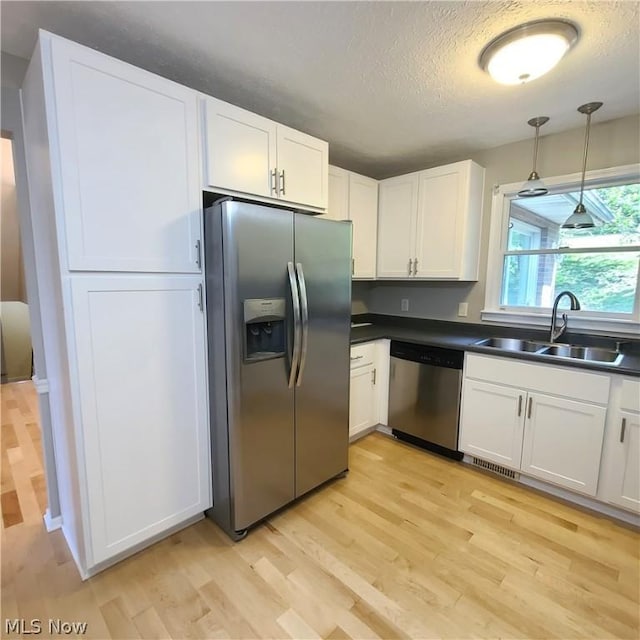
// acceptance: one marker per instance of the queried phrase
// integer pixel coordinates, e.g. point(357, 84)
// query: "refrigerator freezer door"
point(258, 245)
point(323, 251)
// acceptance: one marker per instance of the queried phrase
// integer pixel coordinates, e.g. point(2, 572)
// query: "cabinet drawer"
point(630, 395)
point(362, 354)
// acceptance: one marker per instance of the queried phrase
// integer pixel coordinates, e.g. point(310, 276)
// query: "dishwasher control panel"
point(435, 356)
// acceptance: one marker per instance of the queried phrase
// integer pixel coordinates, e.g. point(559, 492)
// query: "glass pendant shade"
point(580, 219)
point(534, 186)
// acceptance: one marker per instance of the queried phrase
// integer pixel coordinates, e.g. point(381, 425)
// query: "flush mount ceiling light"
point(580, 219)
point(533, 186)
point(528, 51)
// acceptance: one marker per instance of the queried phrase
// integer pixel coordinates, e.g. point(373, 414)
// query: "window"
point(532, 258)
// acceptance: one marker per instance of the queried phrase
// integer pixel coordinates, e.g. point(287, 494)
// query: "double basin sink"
point(574, 352)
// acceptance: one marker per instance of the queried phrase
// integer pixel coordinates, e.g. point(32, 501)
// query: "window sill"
point(601, 326)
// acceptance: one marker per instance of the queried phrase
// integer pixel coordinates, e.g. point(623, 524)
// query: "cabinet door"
point(338, 208)
point(362, 404)
point(303, 163)
point(396, 226)
point(241, 149)
point(626, 471)
point(491, 422)
point(127, 146)
point(439, 228)
point(140, 356)
point(563, 442)
point(363, 212)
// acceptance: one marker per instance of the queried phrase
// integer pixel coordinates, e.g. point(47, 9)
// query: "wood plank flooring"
point(409, 545)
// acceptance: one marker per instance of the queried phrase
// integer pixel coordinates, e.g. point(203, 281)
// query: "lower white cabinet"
point(620, 474)
point(563, 442)
point(545, 421)
point(369, 386)
point(141, 383)
point(491, 422)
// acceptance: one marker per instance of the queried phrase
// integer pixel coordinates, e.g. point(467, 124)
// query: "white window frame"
point(597, 322)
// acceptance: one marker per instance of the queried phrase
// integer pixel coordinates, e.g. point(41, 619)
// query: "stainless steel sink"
point(511, 344)
point(592, 354)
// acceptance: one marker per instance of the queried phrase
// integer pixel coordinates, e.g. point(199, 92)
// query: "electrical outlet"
point(404, 304)
point(463, 309)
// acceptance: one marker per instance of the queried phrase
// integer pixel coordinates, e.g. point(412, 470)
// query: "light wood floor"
point(408, 545)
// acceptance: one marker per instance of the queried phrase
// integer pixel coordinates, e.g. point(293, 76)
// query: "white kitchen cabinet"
point(548, 422)
point(249, 154)
point(113, 161)
point(620, 474)
point(397, 213)
point(430, 223)
point(363, 213)
point(563, 442)
point(141, 376)
point(491, 422)
point(355, 197)
point(338, 208)
point(362, 405)
point(369, 386)
point(125, 163)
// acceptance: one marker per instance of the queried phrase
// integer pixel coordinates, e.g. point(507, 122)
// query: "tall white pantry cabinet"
point(116, 216)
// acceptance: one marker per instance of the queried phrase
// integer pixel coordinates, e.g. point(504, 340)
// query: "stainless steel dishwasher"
point(424, 396)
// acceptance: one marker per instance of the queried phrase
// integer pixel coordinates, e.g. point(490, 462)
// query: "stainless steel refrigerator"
point(278, 316)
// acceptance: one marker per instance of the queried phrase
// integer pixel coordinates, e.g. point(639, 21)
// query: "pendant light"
point(533, 186)
point(580, 219)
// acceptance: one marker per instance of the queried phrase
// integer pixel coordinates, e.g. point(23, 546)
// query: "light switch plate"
point(463, 309)
point(404, 304)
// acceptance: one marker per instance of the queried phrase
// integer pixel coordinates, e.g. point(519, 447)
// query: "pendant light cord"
point(535, 149)
point(584, 159)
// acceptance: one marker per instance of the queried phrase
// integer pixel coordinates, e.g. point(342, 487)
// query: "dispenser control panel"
point(264, 329)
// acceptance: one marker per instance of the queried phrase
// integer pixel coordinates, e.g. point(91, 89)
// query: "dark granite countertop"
point(464, 336)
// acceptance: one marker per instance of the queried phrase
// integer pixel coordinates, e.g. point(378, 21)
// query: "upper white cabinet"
point(355, 197)
point(125, 163)
point(141, 374)
point(430, 223)
point(620, 474)
point(547, 422)
point(249, 154)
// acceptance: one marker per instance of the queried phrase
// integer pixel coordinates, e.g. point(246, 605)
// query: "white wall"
point(12, 285)
point(612, 143)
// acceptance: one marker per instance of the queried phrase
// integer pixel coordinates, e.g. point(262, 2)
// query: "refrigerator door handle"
point(297, 326)
point(305, 321)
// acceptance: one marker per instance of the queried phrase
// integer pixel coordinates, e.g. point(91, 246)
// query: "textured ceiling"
point(392, 86)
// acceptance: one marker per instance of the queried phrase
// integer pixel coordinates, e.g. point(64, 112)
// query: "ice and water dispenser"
point(264, 329)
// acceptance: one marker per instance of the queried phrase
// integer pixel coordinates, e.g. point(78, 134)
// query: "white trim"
point(51, 523)
point(592, 324)
point(494, 312)
point(41, 385)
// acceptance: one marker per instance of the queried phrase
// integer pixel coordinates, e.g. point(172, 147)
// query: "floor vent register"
point(496, 468)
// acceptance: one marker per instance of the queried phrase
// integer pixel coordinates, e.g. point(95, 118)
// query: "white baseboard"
point(382, 428)
point(51, 523)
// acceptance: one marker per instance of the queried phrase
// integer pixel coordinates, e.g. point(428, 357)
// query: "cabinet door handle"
point(519, 406)
point(200, 298)
point(373, 377)
point(198, 254)
point(283, 186)
point(623, 428)
point(410, 266)
point(353, 266)
point(530, 407)
point(356, 358)
point(415, 267)
point(274, 181)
